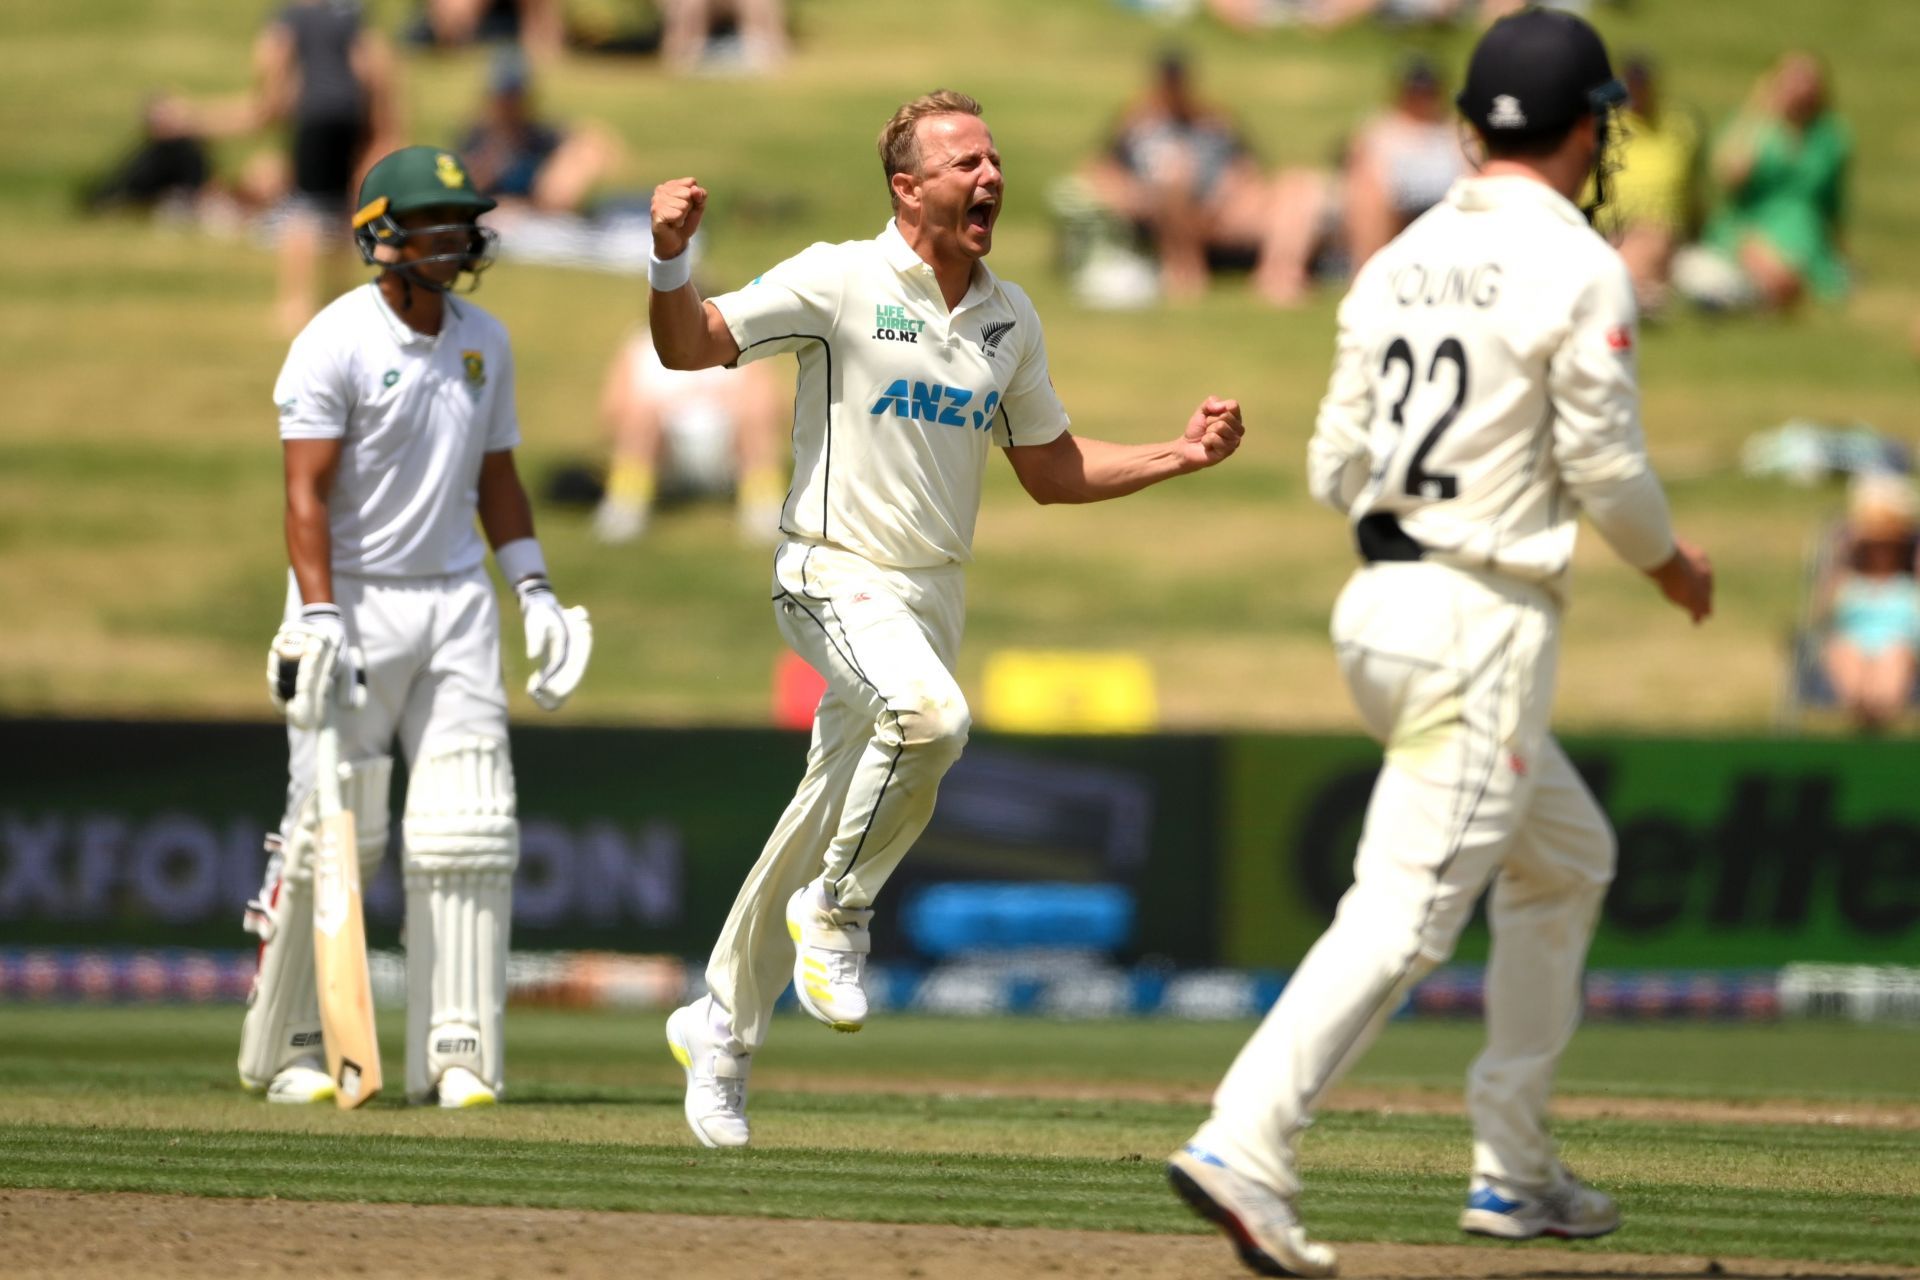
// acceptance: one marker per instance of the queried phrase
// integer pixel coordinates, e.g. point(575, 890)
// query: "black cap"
point(1534, 73)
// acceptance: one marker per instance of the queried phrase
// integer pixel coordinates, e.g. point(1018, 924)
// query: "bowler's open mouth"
point(980, 214)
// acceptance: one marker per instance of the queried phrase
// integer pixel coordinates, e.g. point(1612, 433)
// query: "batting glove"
point(559, 642)
point(303, 664)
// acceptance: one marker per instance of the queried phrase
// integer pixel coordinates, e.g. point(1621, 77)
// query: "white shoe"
point(830, 957)
point(1569, 1209)
point(716, 1079)
point(1260, 1221)
point(460, 1088)
point(299, 1085)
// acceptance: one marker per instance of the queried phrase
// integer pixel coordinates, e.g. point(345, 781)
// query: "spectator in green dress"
point(1781, 167)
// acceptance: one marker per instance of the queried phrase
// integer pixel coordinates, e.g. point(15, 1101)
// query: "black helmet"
point(1536, 72)
point(414, 178)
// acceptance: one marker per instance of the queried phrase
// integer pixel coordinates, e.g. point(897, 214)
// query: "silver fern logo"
point(990, 334)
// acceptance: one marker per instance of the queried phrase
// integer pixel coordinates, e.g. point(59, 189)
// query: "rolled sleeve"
point(1598, 444)
point(1337, 458)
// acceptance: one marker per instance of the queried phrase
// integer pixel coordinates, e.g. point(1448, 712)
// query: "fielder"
point(398, 425)
point(914, 358)
point(1483, 395)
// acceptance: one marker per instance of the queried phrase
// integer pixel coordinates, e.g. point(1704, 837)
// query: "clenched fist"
point(677, 207)
point(1212, 433)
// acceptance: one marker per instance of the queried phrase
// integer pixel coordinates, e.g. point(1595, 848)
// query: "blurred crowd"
point(327, 82)
point(1744, 213)
point(1750, 215)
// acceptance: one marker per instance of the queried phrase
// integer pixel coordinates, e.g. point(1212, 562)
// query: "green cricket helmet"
point(409, 180)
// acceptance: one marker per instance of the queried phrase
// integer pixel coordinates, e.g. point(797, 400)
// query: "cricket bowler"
point(914, 359)
point(1483, 396)
point(398, 426)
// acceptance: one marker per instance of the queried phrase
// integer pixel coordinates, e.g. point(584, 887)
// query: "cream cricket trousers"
point(891, 724)
point(431, 645)
point(1453, 672)
point(432, 651)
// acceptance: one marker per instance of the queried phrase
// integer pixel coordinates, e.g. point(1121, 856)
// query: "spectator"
point(321, 71)
point(1651, 206)
point(1870, 603)
point(755, 43)
point(169, 173)
point(697, 434)
point(537, 25)
point(1781, 168)
point(1402, 163)
point(168, 166)
point(521, 160)
point(1179, 171)
point(1398, 166)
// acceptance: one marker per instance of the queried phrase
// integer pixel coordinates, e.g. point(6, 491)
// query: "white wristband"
point(667, 274)
point(519, 559)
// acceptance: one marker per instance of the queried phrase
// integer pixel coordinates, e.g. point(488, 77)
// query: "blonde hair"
point(1881, 505)
point(900, 140)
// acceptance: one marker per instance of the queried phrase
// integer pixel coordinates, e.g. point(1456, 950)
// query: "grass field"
point(141, 567)
point(985, 1123)
point(138, 469)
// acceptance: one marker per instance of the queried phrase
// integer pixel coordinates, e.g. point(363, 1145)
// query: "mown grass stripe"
point(966, 1189)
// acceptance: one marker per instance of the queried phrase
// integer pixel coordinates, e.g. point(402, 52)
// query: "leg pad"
point(462, 844)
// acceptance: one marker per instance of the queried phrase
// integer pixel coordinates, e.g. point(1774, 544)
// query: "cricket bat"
point(340, 935)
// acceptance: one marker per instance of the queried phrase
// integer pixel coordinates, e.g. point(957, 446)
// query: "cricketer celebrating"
point(398, 425)
point(1483, 395)
point(914, 358)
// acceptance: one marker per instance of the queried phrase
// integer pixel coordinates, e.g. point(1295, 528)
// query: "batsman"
point(397, 421)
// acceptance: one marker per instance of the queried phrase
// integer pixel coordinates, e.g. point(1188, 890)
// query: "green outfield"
point(139, 471)
point(1008, 1123)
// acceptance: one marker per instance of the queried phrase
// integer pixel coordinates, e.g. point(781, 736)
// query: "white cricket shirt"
point(417, 413)
point(897, 399)
point(1484, 393)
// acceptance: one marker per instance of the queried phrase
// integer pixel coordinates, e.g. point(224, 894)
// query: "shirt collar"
point(404, 334)
point(899, 254)
point(902, 257)
point(1478, 194)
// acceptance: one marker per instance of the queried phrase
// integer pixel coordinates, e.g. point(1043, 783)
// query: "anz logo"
point(933, 402)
